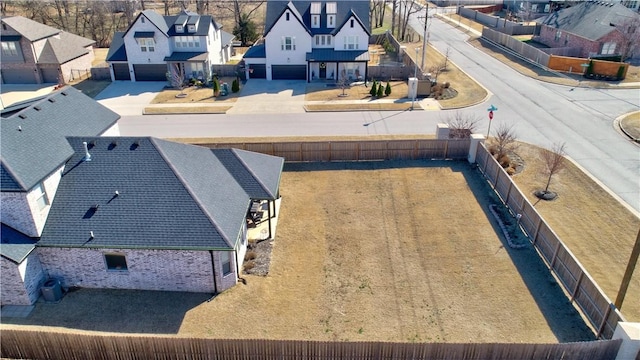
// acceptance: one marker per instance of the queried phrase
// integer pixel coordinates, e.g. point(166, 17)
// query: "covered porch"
point(328, 64)
point(193, 65)
point(262, 219)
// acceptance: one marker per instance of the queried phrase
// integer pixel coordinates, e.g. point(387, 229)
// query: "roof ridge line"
point(253, 174)
point(201, 206)
point(13, 175)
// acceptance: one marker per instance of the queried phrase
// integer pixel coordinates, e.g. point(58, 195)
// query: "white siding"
point(275, 55)
point(347, 30)
point(135, 55)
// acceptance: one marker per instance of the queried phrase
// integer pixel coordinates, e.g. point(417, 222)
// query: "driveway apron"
point(259, 96)
point(129, 98)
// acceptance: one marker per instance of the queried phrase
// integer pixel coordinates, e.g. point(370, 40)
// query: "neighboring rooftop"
point(15, 245)
point(33, 142)
point(149, 193)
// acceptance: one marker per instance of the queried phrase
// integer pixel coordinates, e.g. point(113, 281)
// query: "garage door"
point(259, 71)
point(121, 72)
point(289, 72)
point(150, 72)
point(19, 76)
point(50, 75)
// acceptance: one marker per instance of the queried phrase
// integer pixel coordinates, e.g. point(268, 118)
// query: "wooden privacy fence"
point(19, 344)
point(582, 289)
point(358, 150)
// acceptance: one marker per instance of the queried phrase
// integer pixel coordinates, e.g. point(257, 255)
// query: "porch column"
point(269, 217)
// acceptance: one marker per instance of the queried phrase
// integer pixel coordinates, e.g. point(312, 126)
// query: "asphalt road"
point(540, 113)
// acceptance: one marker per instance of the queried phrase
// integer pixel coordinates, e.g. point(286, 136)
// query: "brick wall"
point(15, 291)
point(589, 47)
point(170, 270)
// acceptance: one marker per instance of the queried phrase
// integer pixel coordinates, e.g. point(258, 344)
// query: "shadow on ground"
point(119, 311)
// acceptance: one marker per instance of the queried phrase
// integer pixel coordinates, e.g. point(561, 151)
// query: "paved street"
point(541, 113)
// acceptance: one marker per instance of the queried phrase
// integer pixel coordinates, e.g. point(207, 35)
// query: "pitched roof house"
point(595, 27)
point(34, 53)
point(150, 214)
point(310, 40)
point(33, 154)
point(154, 45)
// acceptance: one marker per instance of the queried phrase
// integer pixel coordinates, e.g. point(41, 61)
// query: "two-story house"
point(309, 40)
point(34, 150)
point(154, 45)
point(34, 53)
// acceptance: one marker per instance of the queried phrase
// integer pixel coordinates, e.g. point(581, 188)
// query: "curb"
point(618, 123)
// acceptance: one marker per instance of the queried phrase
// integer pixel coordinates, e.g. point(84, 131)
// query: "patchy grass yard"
point(195, 95)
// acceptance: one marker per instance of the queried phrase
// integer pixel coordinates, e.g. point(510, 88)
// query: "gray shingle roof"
point(67, 48)
point(226, 38)
point(32, 30)
point(15, 245)
point(345, 8)
point(171, 195)
point(331, 55)
point(33, 142)
point(117, 50)
point(591, 20)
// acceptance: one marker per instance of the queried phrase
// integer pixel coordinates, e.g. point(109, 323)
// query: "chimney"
point(87, 156)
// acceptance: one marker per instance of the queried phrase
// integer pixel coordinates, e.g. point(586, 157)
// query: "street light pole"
point(415, 76)
point(424, 38)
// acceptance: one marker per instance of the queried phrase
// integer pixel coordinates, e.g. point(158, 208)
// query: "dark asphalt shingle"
point(15, 245)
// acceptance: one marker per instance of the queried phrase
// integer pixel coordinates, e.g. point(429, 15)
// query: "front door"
point(323, 71)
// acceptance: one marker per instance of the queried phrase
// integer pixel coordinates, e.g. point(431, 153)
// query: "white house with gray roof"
point(34, 53)
point(312, 40)
point(154, 45)
point(34, 151)
point(150, 214)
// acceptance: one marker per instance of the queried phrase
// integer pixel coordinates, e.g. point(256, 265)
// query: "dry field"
point(390, 251)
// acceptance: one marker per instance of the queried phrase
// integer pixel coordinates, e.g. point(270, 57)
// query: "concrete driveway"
point(14, 93)
point(259, 96)
point(129, 98)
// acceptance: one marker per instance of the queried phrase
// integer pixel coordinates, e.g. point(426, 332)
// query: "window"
point(608, 48)
point(352, 22)
point(147, 44)
point(41, 196)
point(187, 41)
point(179, 28)
point(351, 42)
point(115, 262)
point(331, 21)
point(323, 40)
point(9, 48)
point(191, 28)
point(558, 35)
point(225, 258)
point(534, 7)
point(315, 21)
point(197, 70)
point(547, 8)
point(288, 43)
point(286, 16)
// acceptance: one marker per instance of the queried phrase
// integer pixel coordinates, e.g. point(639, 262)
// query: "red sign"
point(490, 115)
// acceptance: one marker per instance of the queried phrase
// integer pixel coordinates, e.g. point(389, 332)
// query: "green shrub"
point(621, 72)
point(235, 86)
point(387, 89)
point(380, 91)
point(373, 90)
point(216, 86)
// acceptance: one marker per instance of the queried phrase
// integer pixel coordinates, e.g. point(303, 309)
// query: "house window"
point(41, 196)
point(187, 41)
point(608, 48)
point(534, 7)
point(288, 43)
point(558, 35)
point(225, 258)
point(179, 28)
point(197, 70)
point(315, 21)
point(323, 40)
point(9, 48)
point(191, 28)
point(352, 22)
point(286, 16)
point(351, 42)
point(331, 21)
point(547, 8)
point(147, 44)
point(115, 262)
point(142, 19)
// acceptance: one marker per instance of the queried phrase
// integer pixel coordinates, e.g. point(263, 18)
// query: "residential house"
point(595, 27)
point(34, 53)
point(33, 153)
point(312, 40)
point(150, 214)
point(154, 45)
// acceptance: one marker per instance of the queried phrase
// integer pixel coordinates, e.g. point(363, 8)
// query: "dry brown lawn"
point(195, 95)
point(631, 124)
point(320, 92)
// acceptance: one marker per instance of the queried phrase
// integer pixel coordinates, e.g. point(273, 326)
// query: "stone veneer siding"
point(167, 270)
point(15, 290)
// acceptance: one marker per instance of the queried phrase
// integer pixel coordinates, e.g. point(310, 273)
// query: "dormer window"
point(331, 21)
point(316, 9)
point(315, 21)
point(191, 28)
point(179, 28)
point(332, 9)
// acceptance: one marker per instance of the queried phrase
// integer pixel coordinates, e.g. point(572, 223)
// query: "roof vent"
point(22, 116)
point(51, 100)
point(91, 234)
point(117, 193)
point(64, 93)
point(135, 145)
point(37, 108)
point(87, 156)
point(112, 145)
point(19, 128)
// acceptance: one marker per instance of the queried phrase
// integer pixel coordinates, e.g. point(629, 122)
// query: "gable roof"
point(165, 24)
point(31, 30)
point(590, 19)
point(33, 142)
point(15, 245)
point(117, 50)
point(302, 9)
point(170, 195)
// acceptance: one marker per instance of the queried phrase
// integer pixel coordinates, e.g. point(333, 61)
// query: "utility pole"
point(424, 38)
point(633, 260)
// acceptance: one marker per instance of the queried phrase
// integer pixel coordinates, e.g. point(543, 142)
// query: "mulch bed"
point(260, 264)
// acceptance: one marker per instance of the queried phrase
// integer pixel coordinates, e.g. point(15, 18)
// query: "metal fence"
point(602, 315)
point(17, 344)
point(358, 150)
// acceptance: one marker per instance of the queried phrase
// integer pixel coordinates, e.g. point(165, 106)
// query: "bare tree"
point(394, 9)
point(407, 8)
point(238, 9)
point(435, 70)
point(177, 77)
point(630, 30)
point(202, 6)
point(376, 12)
point(461, 126)
point(446, 58)
point(554, 161)
point(505, 141)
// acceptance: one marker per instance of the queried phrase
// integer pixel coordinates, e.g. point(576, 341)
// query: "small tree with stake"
point(387, 89)
point(374, 89)
point(554, 161)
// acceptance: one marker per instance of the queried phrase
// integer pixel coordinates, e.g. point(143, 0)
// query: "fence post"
point(330, 152)
point(506, 197)
point(535, 235)
point(446, 148)
point(555, 255)
point(575, 290)
point(604, 320)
